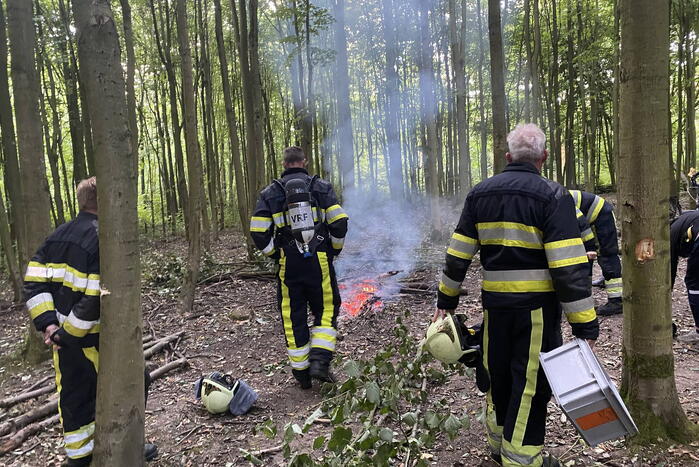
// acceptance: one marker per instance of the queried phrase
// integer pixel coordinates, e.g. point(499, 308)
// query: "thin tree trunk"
point(481, 94)
point(119, 430)
point(458, 59)
point(648, 377)
point(130, 74)
point(392, 107)
point(345, 150)
point(497, 83)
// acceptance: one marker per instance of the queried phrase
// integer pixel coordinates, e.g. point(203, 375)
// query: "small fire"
point(360, 296)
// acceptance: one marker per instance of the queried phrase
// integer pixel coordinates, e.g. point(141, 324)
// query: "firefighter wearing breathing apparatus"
point(534, 267)
point(299, 223)
point(599, 215)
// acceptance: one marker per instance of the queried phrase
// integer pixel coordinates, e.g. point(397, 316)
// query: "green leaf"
point(466, 422)
point(352, 369)
point(340, 439)
point(432, 419)
point(312, 419)
point(319, 442)
point(338, 415)
point(290, 432)
point(367, 442)
point(250, 458)
point(373, 393)
point(386, 434)
point(409, 418)
point(452, 425)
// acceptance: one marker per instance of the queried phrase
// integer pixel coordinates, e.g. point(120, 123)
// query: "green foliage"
point(165, 270)
point(381, 413)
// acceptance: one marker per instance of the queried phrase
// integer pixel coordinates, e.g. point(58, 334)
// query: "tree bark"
point(119, 430)
point(345, 149)
point(130, 75)
point(497, 83)
point(458, 42)
point(648, 381)
point(392, 106)
point(193, 161)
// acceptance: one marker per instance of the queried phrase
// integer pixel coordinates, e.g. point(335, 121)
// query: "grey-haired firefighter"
point(299, 222)
point(62, 291)
point(599, 214)
point(534, 267)
point(684, 232)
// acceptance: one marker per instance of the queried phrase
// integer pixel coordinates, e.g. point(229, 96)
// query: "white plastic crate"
point(586, 394)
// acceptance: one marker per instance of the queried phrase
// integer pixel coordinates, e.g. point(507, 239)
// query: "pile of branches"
point(14, 432)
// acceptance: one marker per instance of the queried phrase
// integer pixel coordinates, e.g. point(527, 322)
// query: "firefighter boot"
point(320, 370)
point(303, 377)
point(612, 307)
point(598, 282)
point(150, 452)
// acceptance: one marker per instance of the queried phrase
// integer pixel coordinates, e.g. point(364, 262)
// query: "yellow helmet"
point(445, 340)
point(216, 391)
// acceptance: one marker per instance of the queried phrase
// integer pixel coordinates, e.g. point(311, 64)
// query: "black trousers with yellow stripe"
point(76, 381)
point(303, 283)
point(519, 391)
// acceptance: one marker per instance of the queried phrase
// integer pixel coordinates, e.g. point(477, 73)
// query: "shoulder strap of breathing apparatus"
point(298, 215)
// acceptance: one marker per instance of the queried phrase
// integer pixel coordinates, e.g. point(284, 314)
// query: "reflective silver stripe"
point(613, 282)
point(693, 292)
point(329, 331)
point(566, 252)
point(451, 283)
point(576, 197)
point(34, 271)
point(593, 210)
point(579, 305)
point(61, 317)
point(93, 284)
point(323, 343)
point(269, 249)
point(497, 233)
point(517, 459)
point(81, 323)
point(300, 352)
point(77, 282)
point(279, 219)
point(337, 242)
point(258, 224)
point(467, 249)
point(82, 434)
point(586, 233)
point(73, 453)
point(614, 293)
point(517, 275)
point(38, 299)
point(334, 213)
point(299, 365)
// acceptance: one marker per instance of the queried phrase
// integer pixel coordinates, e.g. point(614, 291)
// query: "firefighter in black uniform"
point(62, 291)
point(599, 214)
point(684, 232)
point(534, 264)
point(305, 255)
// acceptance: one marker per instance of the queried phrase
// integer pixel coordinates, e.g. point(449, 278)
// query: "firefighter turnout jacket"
point(684, 232)
point(599, 215)
point(534, 263)
point(62, 287)
point(303, 281)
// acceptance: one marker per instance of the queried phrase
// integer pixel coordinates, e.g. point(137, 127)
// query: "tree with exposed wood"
point(648, 378)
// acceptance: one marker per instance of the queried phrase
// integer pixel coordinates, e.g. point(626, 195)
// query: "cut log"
point(25, 396)
point(159, 372)
point(33, 415)
point(16, 440)
point(160, 343)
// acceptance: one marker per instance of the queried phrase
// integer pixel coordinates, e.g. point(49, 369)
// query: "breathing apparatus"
point(220, 393)
point(299, 213)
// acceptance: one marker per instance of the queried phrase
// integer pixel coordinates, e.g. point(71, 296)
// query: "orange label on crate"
point(595, 419)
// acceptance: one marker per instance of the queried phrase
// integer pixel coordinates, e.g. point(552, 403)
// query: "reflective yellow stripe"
point(514, 243)
point(582, 316)
point(563, 243)
point(518, 286)
point(342, 215)
point(508, 225)
point(588, 236)
point(59, 387)
point(597, 207)
point(446, 290)
point(74, 331)
point(525, 403)
point(529, 456)
point(286, 306)
point(328, 306)
point(92, 354)
point(568, 262)
point(41, 308)
point(459, 254)
point(464, 238)
point(577, 197)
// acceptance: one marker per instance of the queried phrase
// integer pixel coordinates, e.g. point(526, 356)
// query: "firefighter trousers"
point(608, 259)
point(303, 283)
point(691, 280)
point(519, 391)
point(76, 382)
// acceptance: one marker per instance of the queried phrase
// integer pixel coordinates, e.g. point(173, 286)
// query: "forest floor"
point(235, 327)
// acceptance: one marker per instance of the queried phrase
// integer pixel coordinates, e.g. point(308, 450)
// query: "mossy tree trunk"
point(648, 379)
point(119, 431)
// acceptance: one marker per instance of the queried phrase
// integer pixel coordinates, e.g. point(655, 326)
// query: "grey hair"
point(527, 143)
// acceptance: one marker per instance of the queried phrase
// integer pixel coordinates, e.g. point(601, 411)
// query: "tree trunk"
point(130, 75)
point(35, 188)
point(120, 402)
point(570, 175)
point(648, 381)
point(193, 161)
point(481, 95)
point(345, 150)
point(392, 107)
point(458, 42)
point(497, 83)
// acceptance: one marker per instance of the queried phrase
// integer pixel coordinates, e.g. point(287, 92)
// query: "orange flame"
point(360, 296)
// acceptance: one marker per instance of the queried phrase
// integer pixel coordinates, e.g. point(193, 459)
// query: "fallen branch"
point(21, 436)
point(257, 275)
point(40, 382)
point(271, 450)
point(160, 343)
point(25, 396)
point(33, 415)
point(159, 372)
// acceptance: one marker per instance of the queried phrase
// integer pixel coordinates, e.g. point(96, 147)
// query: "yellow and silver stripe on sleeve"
point(587, 235)
point(595, 209)
point(577, 197)
point(564, 253)
point(337, 242)
point(269, 250)
point(614, 287)
point(518, 281)
point(79, 443)
point(580, 311)
point(462, 246)
point(260, 224)
point(449, 286)
point(78, 327)
point(335, 213)
point(40, 303)
point(36, 272)
point(509, 234)
point(278, 218)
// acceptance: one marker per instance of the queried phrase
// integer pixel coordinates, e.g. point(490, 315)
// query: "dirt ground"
point(235, 328)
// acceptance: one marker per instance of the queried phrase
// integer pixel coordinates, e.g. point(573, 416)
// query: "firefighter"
point(62, 291)
point(599, 214)
point(299, 223)
point(534, 267)
point(684, 232)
